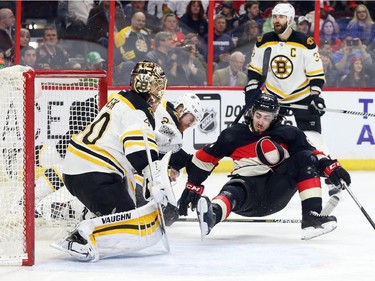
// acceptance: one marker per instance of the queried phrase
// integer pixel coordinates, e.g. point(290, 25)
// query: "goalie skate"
point(314, 225)
point(206, 216)
point(77, 246)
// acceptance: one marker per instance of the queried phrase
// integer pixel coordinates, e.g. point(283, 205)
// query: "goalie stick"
point(266, 60)
point(247, 220)
point(344, 111)
point(160, 210)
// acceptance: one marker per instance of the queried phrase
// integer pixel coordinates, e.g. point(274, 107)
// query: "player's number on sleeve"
point(316, 56)
point(97, 128)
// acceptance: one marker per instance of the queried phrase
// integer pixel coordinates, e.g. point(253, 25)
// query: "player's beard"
point(282, 29)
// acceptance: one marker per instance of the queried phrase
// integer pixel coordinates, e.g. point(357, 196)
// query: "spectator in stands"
point(325, 10)
point(252, 13)
point(223, 43)
point(303, 25)
point(152, 23)
point(160, 8)
point(199, 61)
point(7, 20)
point(98, 22)
point(183, 70)
point(25, 37)
point(194, 21)
point(352, 47)
point(28, 57)
point(231, 18)
point(357, 76)
point(164, 45)
point(170, 24)
point(232, 75)
point(133, 43)
point(74, 15)
point(330, 36)
point(248, 39)
point(330, 71)
point(95, 61)
point(49, 53)
point(362, 25)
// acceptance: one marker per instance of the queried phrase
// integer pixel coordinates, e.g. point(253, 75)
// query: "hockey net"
point(39, 112)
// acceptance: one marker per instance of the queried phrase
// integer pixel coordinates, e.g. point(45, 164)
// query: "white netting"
point(12, 234)
point(64, 105)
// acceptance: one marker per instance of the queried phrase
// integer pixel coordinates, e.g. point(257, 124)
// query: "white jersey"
point(113, 142)
point(294, 68)
point(168, 137)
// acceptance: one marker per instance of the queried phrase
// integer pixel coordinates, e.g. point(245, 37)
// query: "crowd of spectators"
point(175, 35)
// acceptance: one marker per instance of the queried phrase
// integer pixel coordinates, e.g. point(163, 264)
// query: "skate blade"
point(311, 232)
point(202, 209)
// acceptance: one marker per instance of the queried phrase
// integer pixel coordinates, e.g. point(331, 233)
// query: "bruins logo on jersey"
point(310, 41)
point(282, 66)
point(141, 45)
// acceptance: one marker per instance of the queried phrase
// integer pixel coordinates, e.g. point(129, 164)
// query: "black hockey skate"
point(314, 225)
point(206, 216)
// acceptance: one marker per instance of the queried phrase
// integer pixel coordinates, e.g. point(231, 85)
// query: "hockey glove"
point(336, 173)
point(251, 92)
point(190, 195)
point(158, 184)
point(316, 104)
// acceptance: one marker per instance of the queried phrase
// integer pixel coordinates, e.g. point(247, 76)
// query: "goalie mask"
point(191, 104)
point(265, 102)
point(148, 79)
point(285, 9)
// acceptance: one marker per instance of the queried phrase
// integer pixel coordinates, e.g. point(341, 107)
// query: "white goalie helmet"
point(191, 104)
point(285, 9)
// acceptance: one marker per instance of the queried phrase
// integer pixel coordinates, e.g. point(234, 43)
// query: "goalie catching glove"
point(335, 172)
point(157, 181)
point(190, 195)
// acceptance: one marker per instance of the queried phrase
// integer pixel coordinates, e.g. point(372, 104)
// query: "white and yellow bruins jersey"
point(166, 114)
point(168, 136)
point(113, 142)
point(294, 67)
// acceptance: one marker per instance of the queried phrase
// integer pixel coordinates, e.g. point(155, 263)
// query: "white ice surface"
point(235, 251)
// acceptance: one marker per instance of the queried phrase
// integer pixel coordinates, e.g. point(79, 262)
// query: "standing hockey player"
point(99, 170)
point(271, 162)
point(295, 75)
point(171, 122)
point(295, 72)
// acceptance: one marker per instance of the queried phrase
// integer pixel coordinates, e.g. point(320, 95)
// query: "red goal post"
point(39, 111)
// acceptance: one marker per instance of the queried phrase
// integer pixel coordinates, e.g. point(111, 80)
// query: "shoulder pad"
point(267, 38)
point(302, 39)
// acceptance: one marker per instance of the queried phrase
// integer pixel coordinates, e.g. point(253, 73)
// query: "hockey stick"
point(305, 107)
point(344, 186)
point(247, 220)
point(266, 59)
point(160, 210)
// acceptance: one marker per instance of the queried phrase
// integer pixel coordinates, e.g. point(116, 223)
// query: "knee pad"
point(303, 165)
point(235, 191)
